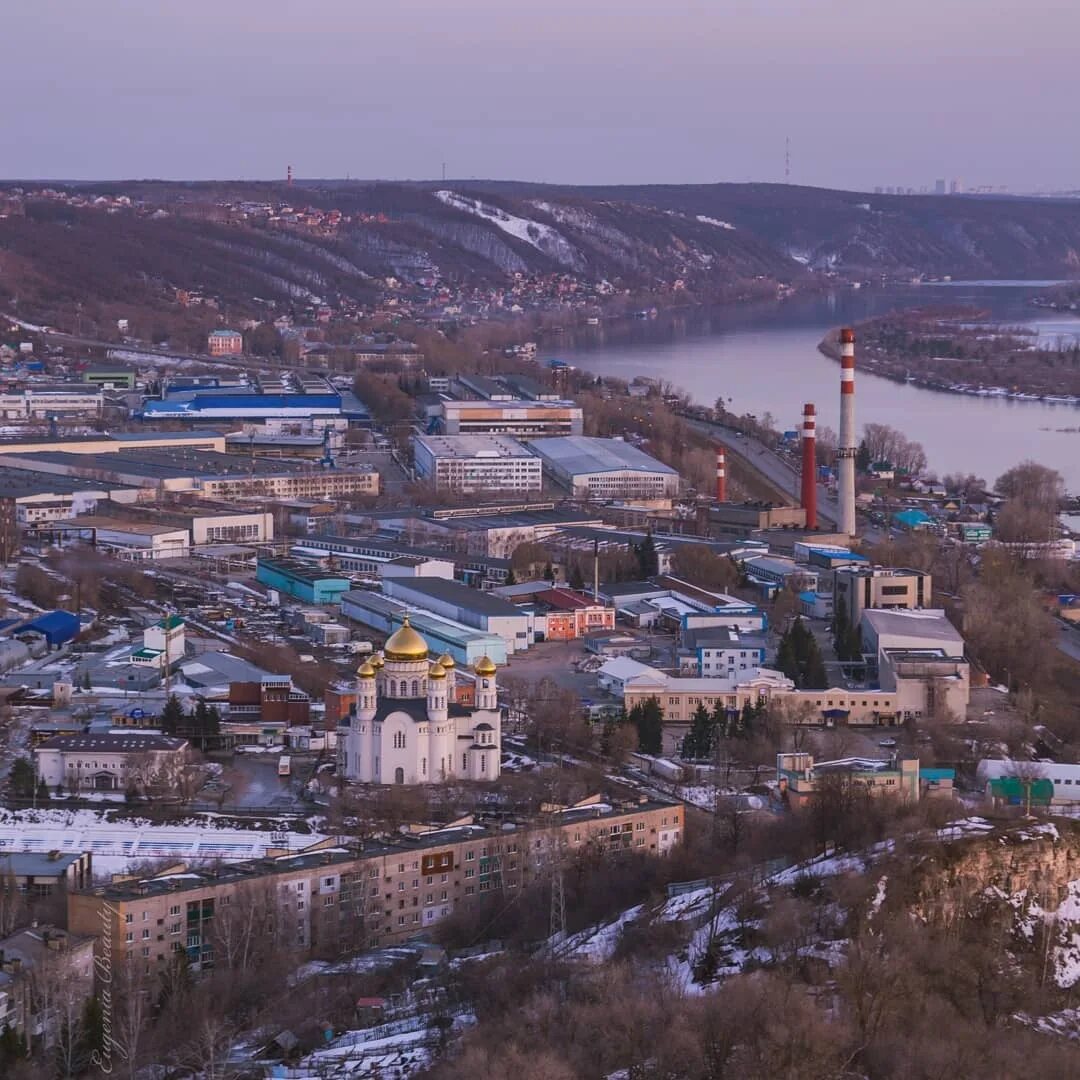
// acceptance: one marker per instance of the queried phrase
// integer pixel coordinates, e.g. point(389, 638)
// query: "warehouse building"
point(471, 463)
point(524, 419)
point(40, 498)
point(470, 607)
point(135, 540)
point(212, 475)
point(112, 444)
point(305, 581)
point(381, 613)
point(603, 470)
point(43, 402)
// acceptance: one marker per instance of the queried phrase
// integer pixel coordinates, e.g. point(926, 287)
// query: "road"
point(1069, 642)
point(773, 466)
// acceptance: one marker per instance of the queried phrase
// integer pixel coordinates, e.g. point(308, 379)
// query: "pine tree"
point(22, 778)
point(720, 720)
point(42, 790)
point(786, 659)
point(814, 675)
point(577, 579)
point(862, 458)
point(648, 717)
point(698, 743)
point(648, 560)
point(172, 715)
point(213, 721)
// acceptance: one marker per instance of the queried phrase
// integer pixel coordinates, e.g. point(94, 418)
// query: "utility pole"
point(787, 160)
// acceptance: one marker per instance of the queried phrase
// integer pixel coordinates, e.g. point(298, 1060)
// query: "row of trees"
point(707, 729)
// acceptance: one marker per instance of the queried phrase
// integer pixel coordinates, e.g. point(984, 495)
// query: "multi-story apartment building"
point(333, 896)
point(471, 463)
point(225, 343)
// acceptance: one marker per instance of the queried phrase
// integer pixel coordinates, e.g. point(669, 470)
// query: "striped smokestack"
point(809, 465)
point(845, 453)
point(721, 475)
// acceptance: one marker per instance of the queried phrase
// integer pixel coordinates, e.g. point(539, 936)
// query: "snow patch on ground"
point(544, 238)
point(706, 220)
point(1065, 1024)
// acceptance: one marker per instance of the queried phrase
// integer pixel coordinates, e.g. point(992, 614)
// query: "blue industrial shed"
point(57, 627)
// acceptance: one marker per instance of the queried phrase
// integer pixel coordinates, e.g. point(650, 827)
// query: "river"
point(764, 358)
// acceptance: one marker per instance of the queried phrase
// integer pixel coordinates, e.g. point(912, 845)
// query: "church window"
point(415, 688)
point(464, 762)
point(393, 688)
point(399, 740)
point(423, 766)
point(483, 762)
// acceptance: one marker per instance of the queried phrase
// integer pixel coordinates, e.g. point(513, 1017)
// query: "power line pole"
point(787, 159)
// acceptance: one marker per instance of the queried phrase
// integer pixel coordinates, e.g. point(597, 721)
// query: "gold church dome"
point(485, 666)
point(406, 644)
point(366, 671)
point(447, 661)
point(437, 672)
point(377, 661)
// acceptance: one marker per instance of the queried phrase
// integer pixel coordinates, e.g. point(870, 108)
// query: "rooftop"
point(471, 447)
point(919, 623)
point(575, 454)
point(113, 744)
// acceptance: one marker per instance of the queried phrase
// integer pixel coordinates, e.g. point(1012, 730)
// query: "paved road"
point(777, 469)
point(1069, 642)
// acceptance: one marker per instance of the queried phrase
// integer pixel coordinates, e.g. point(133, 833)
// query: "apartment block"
point(333, 896)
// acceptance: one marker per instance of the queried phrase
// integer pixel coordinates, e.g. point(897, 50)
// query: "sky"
point(869, 92)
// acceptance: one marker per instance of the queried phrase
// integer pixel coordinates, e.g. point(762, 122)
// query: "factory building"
point(304, 581)
point(470, 607)
point(604, 470)
point(859, 588)
point(134, 540)
point(472, 463)
point(383, 614)
point(523, 419)
point(47, 401)
point(215, 476)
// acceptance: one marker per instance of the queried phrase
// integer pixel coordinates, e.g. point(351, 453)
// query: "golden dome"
point(406, 644)
point(485, 666)
point(437, 672)
point(366, 671)
point(377, 661)
point(447, 661)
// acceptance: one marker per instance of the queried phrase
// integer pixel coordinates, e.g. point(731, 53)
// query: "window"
point(129, 936)
point(128, 918)
point(174, 910)
point(146, 935)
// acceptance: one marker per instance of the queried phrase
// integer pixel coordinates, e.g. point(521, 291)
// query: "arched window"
point(399, 775)
point(423, 766)
point(415, 688)
point(393, 688)
point(483, 762)
point(399, 740)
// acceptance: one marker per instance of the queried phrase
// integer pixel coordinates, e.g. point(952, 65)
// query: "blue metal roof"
point(246, 401)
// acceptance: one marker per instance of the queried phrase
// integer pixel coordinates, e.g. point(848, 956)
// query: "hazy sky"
point(869, 91)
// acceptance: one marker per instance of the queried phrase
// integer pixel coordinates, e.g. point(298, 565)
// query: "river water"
point(764, 358)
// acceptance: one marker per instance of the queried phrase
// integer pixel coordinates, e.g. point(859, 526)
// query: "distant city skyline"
point(586, 91)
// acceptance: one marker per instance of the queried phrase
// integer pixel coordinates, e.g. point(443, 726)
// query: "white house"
point(108, 762)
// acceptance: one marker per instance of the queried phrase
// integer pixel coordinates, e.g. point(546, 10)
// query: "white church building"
point(407, 727)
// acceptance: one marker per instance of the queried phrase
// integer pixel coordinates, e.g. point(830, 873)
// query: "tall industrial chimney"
point(721, 475)
point(845, 453)
point(809, 465)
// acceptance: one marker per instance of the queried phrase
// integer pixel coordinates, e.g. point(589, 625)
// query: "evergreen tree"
point(648, 560)
point(786, 659)
point(862, 458)
point(92, 1030)
point(698, 743)
point(549, 573)
point(42, 791)
point(213, 721)
point(746, 721)
point(721, 721)
point(648, 717)
point(814, 676)
point(22, 778)
point(510, 578)
point(172, 716)
point(577, 579)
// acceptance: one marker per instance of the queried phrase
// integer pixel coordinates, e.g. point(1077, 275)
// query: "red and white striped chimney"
point(809, 465)
point(721, 475)
point(846, 451)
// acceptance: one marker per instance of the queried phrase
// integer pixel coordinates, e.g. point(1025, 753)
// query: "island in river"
point(956, 350)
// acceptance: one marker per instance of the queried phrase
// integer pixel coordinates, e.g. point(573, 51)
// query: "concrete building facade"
point(472, 463)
